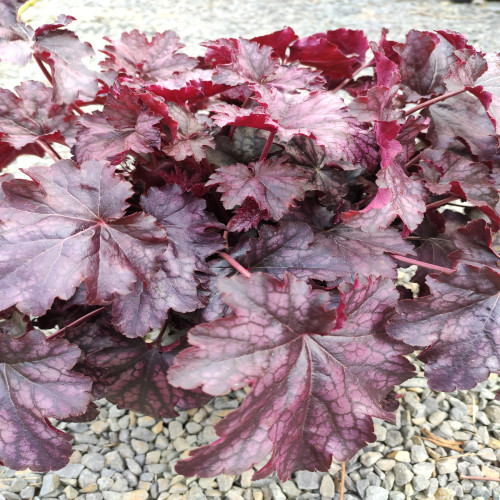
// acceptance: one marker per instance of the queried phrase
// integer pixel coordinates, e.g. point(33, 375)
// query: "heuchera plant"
point(237, 220)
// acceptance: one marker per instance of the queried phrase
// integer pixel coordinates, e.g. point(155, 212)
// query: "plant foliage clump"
point(238, 220)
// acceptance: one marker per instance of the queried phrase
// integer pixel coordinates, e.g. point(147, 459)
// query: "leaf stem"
point(441, 202)
point(428, 103)
point(422, 264)
point(48, 149)
point(76, 322)
point(162, 331)
point(342, 84)
point(45, 71)
point(413, 160)
point(77, 109)
point(244, 104)
point(479, 478)
point(342, 481)
point(268, 145)
point(236, 265)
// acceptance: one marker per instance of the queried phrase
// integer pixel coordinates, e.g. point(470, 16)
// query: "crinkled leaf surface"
point(190, 230)
point(398, 195)
point(445, 171)
point(462, 117)
point(36, 383)
point(65, 226)
point(460, 323)
point(191, 138)
point(323, 116)
point(278, 40)
point(31, 115)
point(340, 252)
point(136, 375)
point(474, 246)
point(153, 60)
point(490, 83)
point(124, 125)
point(247, 62)
point(314, 390)
point(273, 184)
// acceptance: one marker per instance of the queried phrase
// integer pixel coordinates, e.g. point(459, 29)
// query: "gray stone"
point(420, 483)
point(397, 495)
point(446, 466)
point(143, 434)
point(276, 492)
point(193, 427)
point(370, 457)
point(307, 480)
point(93, 461)
point(28, 492)
point(393, 438)
point(424, 469)
point(125, 450)
point(361, 486)
point(418, 454)
point(376, 493)
point(493, 413)
point(71, 471)
point(195, 493)
point(105, 483)
point(87, 477)
point(18, 484)
point(225, 482)
point(402, 474)
point(50, 485)
point(480, 491)
point(140, 447)
point(114, 460)
point(437, 417)
point(111, 495)
point(327, 487)
point(290, 489)
point(175, 429)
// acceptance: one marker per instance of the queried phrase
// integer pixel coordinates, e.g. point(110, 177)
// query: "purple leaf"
point(278, 40)
point(65, 226)
point(460, 323)
point(398, 195)
point(323, 116)
point(36, 383)
point(448, 126)
point(314, 390)
point(137, 378)
point(31, 115)
point(248, 62)
point(153, 60)
point(192, 137)
point(273, 184)
point(490, 85)
point(445, 172)
point(124, 125)
point(474, 246)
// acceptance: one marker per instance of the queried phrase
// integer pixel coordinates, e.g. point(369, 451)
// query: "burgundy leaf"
point(36, 383)
point(137, 378)
point(448, 126)
point(8, 153)
point(229, 114)
point(251, 62)
point(323, 116)
point(273, 184)
point(65, 226)
point(124, 125)
point(31, 115)
point(325, 177)
point(340, 252)
point(247, 216)
point(314, 390)
point(474, 246)
point(397, 195)
point(336, 53)
point(191, 138)
point(279, 41)
point(490, 83)
point(460, 323)
point(445, 172)
point(153, 60)
point(426, 58)
point(466, 70)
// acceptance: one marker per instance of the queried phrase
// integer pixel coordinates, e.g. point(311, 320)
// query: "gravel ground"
point(126, 456)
